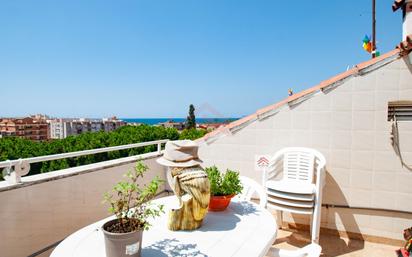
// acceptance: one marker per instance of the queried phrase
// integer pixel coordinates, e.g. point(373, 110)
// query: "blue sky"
point(153, 58)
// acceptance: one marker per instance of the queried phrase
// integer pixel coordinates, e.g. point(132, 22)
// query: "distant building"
point(210, 126)
point(40, 116)
point(112, 123)
point(134, 123)
point(62, 128)
point(58, 128)
point(172, 124)
point(32, 128)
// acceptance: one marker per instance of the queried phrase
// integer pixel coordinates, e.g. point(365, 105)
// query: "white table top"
point(244, 229)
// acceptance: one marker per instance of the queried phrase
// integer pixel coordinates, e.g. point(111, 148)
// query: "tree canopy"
point(14, 148)
point(191, 119)
point(192, 134)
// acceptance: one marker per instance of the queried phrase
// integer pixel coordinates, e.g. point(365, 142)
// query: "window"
point(402, 110)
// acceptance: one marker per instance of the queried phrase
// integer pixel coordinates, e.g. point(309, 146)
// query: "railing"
point(15, 169)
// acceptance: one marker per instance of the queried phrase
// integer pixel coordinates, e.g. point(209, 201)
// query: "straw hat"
point(180, 153)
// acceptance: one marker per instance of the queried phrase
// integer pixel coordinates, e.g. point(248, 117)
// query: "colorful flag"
point(367, 44)
point(366, 39)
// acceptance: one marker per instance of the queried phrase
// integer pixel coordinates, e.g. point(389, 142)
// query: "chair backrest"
point(250, 187)
point(296, 163)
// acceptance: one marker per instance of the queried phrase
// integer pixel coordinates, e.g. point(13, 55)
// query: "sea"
point(154, 121)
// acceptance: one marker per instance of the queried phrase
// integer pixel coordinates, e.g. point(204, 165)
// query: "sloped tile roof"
point(359, 69)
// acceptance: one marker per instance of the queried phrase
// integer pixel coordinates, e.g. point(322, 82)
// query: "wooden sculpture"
point(188, 181)
point(192, 188)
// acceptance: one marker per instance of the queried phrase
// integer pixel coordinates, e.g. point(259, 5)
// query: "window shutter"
point(401, 109)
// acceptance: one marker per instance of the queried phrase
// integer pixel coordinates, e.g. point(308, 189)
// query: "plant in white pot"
point(130, 204)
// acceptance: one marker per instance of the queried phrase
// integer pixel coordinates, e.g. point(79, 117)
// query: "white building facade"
point(62, 128)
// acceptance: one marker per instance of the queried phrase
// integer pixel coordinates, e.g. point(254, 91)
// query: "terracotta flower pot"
point(122, 244)
point(219, 203)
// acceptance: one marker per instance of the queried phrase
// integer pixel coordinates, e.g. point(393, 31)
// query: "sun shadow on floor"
point(170, 248)
point(332, 245)
point(330, 240)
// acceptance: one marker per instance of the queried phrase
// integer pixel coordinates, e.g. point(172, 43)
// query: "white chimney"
point(406, 6)
point(407, 19)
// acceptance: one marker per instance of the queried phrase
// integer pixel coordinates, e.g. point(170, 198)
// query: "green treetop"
point(191, 119)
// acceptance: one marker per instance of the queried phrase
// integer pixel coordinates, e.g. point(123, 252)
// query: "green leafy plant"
point(227, 183)
point(130, 202)
point(192, 134)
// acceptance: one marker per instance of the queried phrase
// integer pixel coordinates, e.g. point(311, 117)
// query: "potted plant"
point(130, 204)
point(223, 187)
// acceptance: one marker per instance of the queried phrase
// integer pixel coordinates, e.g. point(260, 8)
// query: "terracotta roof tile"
point(339, 77)
point(212, 133)
point(370, 62)
point(241, 121)
point(272, 107)
point(302, 93)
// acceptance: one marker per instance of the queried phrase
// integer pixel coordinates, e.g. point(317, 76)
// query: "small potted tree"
point(223, 187)
point(130, 204)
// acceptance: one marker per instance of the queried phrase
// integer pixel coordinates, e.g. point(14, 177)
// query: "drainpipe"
point(341, 206)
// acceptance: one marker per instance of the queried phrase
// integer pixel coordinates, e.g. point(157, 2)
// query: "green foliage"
point(129, 202)
point(192, 134)
point(12, 148)
point(227, 183)
point(191, 119)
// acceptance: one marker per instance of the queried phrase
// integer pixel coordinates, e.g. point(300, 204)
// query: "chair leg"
point(279, 215)
point(317, 212)
point(311, 226)
point(315, 228)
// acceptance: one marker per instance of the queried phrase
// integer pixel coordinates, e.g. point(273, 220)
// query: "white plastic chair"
point(250, 187)
point(300, 189)
point(310, 250)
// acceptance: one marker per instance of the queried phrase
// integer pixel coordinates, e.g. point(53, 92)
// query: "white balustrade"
point(15, 169)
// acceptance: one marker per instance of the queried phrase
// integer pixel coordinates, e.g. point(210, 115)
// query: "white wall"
point(407, 25)
point(349, 126)
point(35, 216)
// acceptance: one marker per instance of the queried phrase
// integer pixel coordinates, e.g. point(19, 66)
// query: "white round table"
point(243, 229)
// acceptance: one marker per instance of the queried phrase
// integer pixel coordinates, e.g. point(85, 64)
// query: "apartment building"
point(62, 128)
point(112, 123)
point(58, 128)
point(32, 128)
